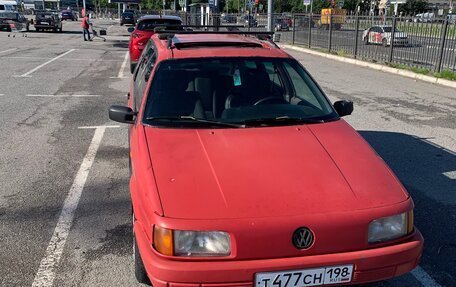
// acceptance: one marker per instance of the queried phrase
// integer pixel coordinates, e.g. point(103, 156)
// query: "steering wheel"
point(271, 100)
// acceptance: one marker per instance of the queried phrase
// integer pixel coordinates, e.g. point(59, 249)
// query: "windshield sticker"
point(237, 78)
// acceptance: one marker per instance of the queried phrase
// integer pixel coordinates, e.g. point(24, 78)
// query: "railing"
point(429, 45)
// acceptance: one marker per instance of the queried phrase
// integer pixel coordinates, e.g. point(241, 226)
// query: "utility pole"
point(270, 15)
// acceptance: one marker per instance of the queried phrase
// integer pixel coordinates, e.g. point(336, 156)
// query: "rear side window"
point(2, 7)
point(145, 66)
point(150, 24)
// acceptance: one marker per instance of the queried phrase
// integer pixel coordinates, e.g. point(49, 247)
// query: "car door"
point(140, 82)
point(375, 35)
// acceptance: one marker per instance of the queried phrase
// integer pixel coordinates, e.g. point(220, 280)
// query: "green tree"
point(412, 7)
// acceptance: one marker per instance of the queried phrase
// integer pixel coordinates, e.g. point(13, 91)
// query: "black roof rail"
point(166, 34)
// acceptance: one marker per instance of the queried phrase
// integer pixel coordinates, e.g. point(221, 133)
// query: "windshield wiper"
point(282, 120)
point(196, 120)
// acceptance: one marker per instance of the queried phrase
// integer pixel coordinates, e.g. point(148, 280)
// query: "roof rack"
point(164, 33)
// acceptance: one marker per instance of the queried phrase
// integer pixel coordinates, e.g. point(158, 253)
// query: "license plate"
point(44, 23)
point(305, 277)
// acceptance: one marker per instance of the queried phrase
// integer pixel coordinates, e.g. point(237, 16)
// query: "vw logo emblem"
point(303, 238)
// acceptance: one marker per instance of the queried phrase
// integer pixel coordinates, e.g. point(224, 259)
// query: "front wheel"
point(132, 67)
point(140, 270)
point(366, 40)
point(385, 43)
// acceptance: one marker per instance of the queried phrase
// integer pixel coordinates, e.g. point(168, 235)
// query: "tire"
point(37, 29)
point(366, 40)
point(132, 67)
point(384, 42)
point(27, 28)
point(140, 270)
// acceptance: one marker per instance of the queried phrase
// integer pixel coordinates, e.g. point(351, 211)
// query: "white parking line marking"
point(97, 127)
point(46, 63)
point(9, 50)
point(120, 75)
point(2, 95)
point(45, 275)
point(424, 278)
point(47, 58)
point(450, 174)
point(63, 96)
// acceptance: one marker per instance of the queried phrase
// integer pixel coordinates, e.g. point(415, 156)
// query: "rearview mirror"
point(344, 107)
point(130, 29)
point(122, 114)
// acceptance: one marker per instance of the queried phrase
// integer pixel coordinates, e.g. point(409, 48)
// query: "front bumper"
point(369, 265)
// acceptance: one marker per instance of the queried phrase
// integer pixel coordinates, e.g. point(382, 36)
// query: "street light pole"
point(269, 15)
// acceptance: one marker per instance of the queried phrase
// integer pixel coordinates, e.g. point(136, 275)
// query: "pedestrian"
point(85, 27)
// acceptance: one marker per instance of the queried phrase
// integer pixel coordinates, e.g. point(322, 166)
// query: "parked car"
point(48, 21)
point(382, 35)
point(69, 15)
point(281, 25)
point(303, 22)
point(128, 17)
point(13, 20)
point(144, 30)
point(248, 21)
point(451, 18)
point(243, 173)
point(229, 19)
point(424, 17)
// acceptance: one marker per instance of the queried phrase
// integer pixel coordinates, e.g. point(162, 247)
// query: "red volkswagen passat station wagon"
point(244, 174)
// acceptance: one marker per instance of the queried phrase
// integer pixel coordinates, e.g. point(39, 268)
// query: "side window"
point(144, 68)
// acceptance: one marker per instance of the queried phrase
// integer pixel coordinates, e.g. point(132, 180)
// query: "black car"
point(304, 22)
point(48, 21)
point(13, 20)
point(229, 19)
point(249, 21)
point(69, 15)
point(128, 17)
point(281, 25)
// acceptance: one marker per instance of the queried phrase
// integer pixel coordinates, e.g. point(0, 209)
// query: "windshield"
point(234, 90)
point(150, 24)
point(44, 16)
point(390, 29)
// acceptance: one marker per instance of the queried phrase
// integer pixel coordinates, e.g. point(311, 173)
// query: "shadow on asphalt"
point(420, 165)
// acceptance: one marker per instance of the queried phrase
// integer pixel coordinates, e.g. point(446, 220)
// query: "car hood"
point(268, 172)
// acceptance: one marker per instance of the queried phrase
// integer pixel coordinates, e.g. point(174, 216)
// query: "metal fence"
point(430, 46)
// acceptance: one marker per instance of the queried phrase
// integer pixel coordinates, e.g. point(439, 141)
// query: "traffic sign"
point(307, 2)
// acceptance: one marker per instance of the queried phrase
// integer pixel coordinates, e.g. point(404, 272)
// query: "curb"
point(378, 67)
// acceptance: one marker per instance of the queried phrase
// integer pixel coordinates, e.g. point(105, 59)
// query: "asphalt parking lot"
point(56, 139)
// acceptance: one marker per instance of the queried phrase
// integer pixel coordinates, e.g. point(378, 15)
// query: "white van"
point(425, 17)
point(8, 6)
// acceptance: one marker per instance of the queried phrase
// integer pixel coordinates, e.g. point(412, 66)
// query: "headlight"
point(191, 243)
point(391, 227)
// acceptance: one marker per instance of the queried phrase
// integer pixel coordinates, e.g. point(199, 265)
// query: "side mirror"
point(130, 29)
point(122, 114)
point(344, 107)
